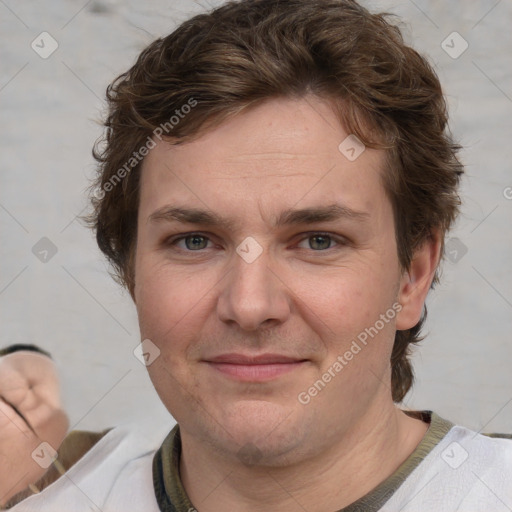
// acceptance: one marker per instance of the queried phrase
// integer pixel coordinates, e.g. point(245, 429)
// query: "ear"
point(416, 281)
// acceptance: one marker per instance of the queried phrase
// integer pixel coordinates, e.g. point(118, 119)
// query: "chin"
point(259, 432)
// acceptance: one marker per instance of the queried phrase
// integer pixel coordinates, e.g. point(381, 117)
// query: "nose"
point(253, 295)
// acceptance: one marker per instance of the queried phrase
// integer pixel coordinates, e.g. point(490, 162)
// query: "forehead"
point(282, 152)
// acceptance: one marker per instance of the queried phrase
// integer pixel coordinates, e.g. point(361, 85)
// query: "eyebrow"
point(288, 217)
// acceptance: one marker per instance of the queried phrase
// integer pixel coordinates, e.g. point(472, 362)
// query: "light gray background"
point(70, 306)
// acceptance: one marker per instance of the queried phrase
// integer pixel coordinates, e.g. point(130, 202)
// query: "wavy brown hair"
point(244, 52)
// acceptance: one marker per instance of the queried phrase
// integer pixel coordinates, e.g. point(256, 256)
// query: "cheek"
point(165, 304)
point(161, 299)
point(354, 297)
point(351, 306)
point(172, 305)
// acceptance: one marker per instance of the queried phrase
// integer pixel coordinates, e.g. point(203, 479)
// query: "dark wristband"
point(20, 346)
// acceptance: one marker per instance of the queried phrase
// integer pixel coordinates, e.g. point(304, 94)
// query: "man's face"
point(212, 303)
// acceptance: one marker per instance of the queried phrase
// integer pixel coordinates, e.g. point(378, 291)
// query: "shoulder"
point(484, 447)
point(466, 471)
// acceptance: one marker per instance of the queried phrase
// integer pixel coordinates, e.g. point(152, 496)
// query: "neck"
point(366, 455)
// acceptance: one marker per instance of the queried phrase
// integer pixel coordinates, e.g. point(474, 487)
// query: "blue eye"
point(196, 242)
point(193, 242)
point(321, 241)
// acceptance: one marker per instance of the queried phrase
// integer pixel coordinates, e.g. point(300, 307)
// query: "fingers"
point(12, 421)
point(29, 385)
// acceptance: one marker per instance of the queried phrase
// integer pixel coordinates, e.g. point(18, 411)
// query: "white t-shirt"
point(464, 472)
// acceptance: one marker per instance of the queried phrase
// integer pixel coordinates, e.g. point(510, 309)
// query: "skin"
point(294, 299)
point(30, 413)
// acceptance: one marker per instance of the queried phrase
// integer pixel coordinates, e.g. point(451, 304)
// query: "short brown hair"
point(244, 52)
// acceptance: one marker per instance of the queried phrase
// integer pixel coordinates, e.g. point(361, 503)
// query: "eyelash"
point(338, 239)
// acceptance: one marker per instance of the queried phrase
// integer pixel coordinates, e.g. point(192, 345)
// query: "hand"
point(30, 413)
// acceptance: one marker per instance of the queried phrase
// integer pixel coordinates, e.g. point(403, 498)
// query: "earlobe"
point(416, 281)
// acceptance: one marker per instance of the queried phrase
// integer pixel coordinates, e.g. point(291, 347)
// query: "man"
point(274, 192)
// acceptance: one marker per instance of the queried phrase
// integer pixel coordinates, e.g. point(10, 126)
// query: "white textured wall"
point(70, 306)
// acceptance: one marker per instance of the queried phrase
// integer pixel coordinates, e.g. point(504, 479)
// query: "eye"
point(196, 242)
point(321, 241)
point(193, 241)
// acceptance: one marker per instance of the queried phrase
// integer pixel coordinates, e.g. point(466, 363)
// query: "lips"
point(254, 368)
point(254, 359)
